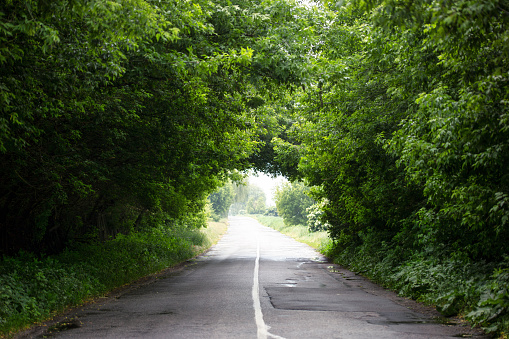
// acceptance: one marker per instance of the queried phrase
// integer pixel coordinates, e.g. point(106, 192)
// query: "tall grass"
point(212, 233)
point(33, 289)
point(317, 240)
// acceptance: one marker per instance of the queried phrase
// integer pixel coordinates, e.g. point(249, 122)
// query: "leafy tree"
point(116, 115)
point(292, 200)
point(403, 127)
point(256, 200)
point(248, 199)
point(455, 142)
point(343, 114)
point(221, 200)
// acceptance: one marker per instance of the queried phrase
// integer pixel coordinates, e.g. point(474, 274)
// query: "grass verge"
point(34, 289)
point(212, 233)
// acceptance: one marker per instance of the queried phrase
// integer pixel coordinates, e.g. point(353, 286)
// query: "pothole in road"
point(67, 324)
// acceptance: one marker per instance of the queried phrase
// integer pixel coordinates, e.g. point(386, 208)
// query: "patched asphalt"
point(297, 292)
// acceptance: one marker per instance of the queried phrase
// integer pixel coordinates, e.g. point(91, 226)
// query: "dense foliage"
point(118, 113)
point(292, 201)
point(404, 129)
point(118, 117)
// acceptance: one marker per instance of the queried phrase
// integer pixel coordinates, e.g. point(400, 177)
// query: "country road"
point(258, 283)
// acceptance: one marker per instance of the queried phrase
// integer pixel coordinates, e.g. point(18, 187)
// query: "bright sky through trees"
point(267, 184)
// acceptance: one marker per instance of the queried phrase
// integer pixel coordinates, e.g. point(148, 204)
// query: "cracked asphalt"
point(256, 283)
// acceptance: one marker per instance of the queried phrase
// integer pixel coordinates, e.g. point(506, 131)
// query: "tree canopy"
point(404, 125)
point(119, 115)
point(115, 112)
point(116, 115)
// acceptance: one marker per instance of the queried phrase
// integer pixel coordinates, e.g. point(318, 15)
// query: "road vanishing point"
point(257, 283)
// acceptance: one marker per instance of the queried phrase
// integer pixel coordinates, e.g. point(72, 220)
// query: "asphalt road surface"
point(257, 283)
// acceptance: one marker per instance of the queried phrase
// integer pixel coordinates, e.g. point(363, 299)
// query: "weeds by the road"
point(212, 233)
point(33, 289)
point(318, 240)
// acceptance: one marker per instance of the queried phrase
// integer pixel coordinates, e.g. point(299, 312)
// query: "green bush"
point(271, 211)
point(32, 288)
point(315, 214)
point(292, 200)
point(492, 311)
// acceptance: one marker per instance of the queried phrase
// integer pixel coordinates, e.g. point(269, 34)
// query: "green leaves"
point(406, 108)
point(292, 202)
point(120, 113)
point(221, 200)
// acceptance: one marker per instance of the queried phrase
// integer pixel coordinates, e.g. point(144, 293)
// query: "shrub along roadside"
point(34, 289)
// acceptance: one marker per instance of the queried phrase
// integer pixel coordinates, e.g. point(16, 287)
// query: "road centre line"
point(262, 328)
